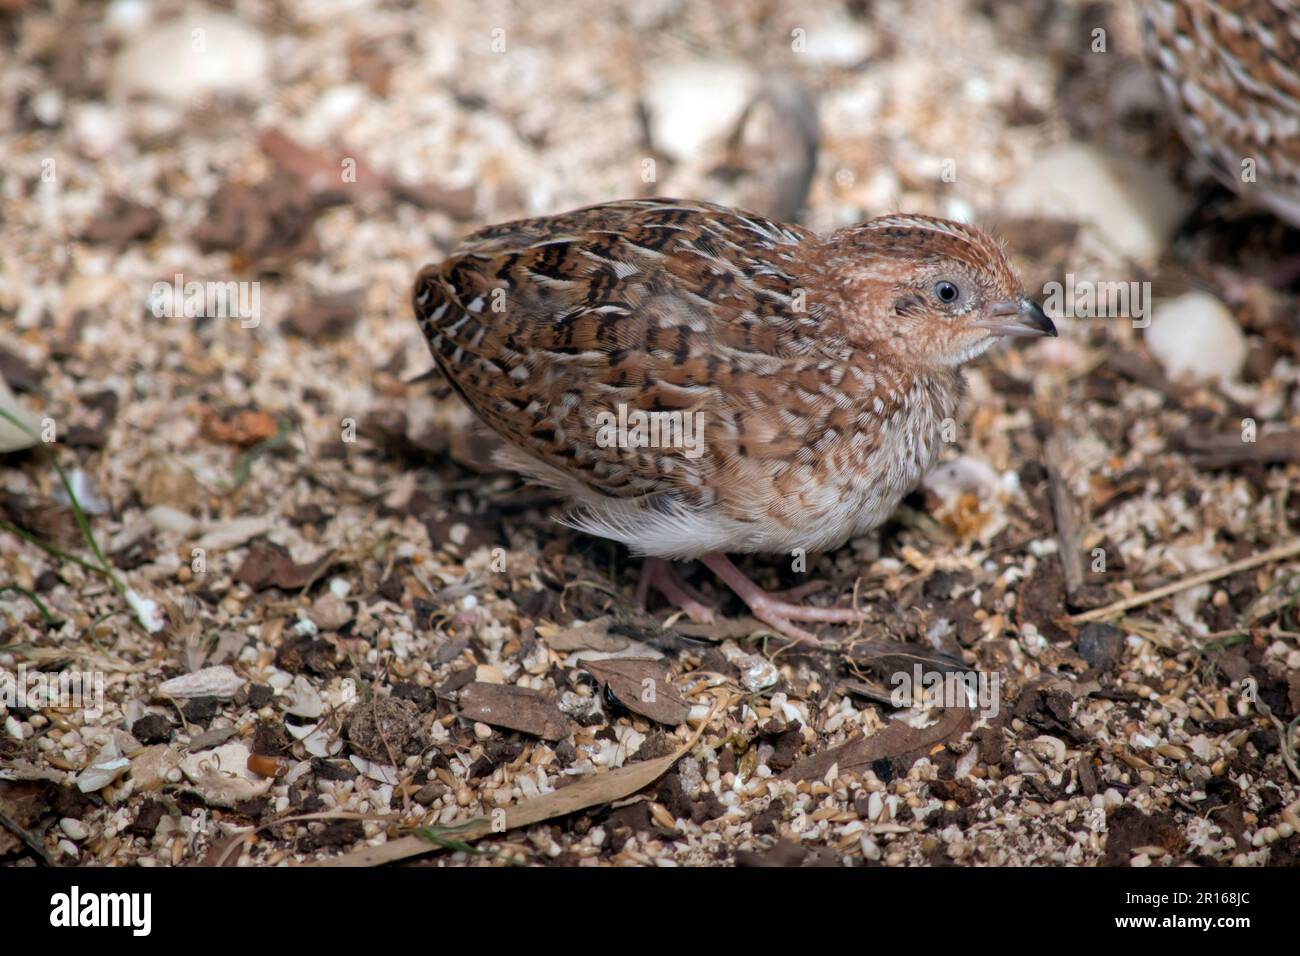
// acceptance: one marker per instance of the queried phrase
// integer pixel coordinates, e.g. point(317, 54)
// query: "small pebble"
point(75, 829)
point(1195, 335)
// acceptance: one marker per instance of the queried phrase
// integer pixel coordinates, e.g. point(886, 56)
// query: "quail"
point(1230, 71)
point(698, 380)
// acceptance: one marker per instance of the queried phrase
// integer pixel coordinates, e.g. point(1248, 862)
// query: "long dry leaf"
point(19, 426)
point(591, 792)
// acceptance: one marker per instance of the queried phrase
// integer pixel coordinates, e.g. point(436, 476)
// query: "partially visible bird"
point(821, 369)
point(1230, 70)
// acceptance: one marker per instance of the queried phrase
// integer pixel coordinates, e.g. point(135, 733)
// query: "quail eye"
point(946, 291)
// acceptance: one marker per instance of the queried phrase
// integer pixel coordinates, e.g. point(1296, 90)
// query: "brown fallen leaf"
point(243, 427)
point(590, 792)
point(882, 660)
point(642, 685)
point(515, 708)
point(1228, 450)
point(457, 203)
point(896, 739)
point(322, 173)
point(582, 636)
point(22, 805)
point(270, 566)
point(268, 225)
point(121, 221)
point(324, 315)
point(19, 374)
point(885, 657)
point(368, 64)
point(43, 518)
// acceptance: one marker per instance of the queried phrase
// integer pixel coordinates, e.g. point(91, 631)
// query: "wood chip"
point(642, 685)
point(583, 636)
point(515, 708)
point(591, 792)
point(270, 566)
point(896, 739)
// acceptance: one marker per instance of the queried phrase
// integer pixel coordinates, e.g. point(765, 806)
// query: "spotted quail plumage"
point(1230, 71)
point(822, 370)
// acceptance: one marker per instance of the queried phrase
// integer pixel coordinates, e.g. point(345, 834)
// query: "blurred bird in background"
point(1230, 70)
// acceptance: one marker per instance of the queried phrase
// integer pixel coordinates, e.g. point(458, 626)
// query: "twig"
point(1228, 450)
point(33, 844)
point(1067, 528)
point(1280, 553)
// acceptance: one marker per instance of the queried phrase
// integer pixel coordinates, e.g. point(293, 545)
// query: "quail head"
point(698, 380)
point(1230, 71)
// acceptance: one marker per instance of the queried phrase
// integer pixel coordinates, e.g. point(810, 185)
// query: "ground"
point(322, 619)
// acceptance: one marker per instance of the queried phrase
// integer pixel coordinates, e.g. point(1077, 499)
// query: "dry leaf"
point(582, 636)
point(270, 566)
point(516, 708)
point(13, 438)
point(221, 682)
point(896, 739)
point(591, 792)
point(243, 428)
point(642, 685)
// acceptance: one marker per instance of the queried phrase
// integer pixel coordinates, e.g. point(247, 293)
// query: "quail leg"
point(771, 610)
point(660, 575)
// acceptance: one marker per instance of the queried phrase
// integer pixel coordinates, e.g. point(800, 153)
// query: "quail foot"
point(698, 380)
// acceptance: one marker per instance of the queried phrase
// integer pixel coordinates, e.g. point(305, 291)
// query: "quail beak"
point(1016, 317)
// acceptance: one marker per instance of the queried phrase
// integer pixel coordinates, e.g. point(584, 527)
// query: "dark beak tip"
point(1037, 318)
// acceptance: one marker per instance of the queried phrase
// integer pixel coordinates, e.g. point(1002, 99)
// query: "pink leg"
point(799, 592)
point(660, 575)
point(770, 610)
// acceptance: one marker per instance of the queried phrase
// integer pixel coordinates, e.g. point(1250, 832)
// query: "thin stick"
point(33, 844)
point(1067, 527)
point(1280, 553)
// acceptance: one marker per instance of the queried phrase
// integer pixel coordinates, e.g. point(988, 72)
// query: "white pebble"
point(96, 130)
point(184, 59)
point(875, 806)
point(47, 106)
point(1196, 335)
point(695, 103)
point(1130, 206)
point(75, 829)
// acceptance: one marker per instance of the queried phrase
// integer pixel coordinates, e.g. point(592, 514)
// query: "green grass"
point(99, 566)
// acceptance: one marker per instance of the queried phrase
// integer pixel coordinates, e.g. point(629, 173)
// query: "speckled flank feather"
point(1230, 70)
point(815, 421)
